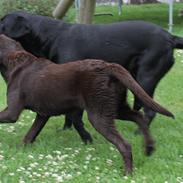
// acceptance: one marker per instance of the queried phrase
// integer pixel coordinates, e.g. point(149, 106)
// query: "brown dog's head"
point(8, 45)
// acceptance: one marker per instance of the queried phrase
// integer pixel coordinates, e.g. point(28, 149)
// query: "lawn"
point(60, 156)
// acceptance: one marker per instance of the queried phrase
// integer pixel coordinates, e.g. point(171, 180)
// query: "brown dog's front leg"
point(9, 116)
point(35, 129)
point(15, 106)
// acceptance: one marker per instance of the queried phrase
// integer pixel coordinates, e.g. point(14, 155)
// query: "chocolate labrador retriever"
point(94, 85)
point(143, 48)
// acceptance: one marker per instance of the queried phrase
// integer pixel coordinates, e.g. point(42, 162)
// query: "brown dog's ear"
point(15, 26)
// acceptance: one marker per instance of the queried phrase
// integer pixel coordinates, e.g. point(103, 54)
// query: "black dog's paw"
point(86, 138)
point(149, 150)
point(67, 126)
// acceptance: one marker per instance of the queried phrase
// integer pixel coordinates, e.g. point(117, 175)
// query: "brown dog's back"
point(72, 81)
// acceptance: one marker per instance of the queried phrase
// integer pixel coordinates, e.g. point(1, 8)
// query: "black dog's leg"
point(131, 115)
point(35, 129)
point(68, 122)
point(76, 118)
point(12, 112)
point(148, 76)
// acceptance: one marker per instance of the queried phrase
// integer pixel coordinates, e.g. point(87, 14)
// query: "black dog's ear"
point(15, 27)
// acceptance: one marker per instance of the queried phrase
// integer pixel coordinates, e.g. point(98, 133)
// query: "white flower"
point(88, 157)
point(96, 168)
point(12, 174)
point(57, 152)
point(85, 166)
point(109, 161)
point(54, 163)
point(30, 156)
point(49, 156)
point(22, 168)
point(21, 181)
point(87, 162)
point(1, 157)
point(38, 175)
point(76, 151)
point(68, 176)
point(54, 175)
point(59, 179)
point(30, 176)
point(46, 174)
point(125, 177)
point(33, 165)
point(179, 179)
point(29, 168)
point(78, 173)
point(112, 148)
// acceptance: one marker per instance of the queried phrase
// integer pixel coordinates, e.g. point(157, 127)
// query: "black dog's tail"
point(178, 42)
point(124, 77)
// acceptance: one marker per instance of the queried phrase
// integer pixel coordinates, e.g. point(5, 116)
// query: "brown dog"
point(50, 89)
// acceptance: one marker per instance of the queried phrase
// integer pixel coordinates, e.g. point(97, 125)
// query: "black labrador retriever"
point(94, 85)
point(143, 48)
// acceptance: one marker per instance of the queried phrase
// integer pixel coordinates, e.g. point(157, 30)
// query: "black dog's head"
point(15, 25)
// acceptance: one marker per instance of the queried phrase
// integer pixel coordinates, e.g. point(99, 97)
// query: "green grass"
point(58, 155)
point(156, 13)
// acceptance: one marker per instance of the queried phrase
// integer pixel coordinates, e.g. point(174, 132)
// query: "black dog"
point(145, 49)
point(94, 85)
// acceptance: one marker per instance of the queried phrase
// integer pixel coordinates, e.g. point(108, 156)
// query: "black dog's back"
point(143, 48)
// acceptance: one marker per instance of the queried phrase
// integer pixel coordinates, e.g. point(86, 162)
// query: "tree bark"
point(87, 8)
point(62, 8)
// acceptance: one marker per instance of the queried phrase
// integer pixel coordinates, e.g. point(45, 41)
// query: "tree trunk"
point(62, 8)
point(87, 8)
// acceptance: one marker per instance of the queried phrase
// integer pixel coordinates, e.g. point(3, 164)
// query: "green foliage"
point(42, 7)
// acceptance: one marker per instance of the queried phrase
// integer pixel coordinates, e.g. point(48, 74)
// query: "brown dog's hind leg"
point(139, 119)
point(105, 126)
point(35, 129)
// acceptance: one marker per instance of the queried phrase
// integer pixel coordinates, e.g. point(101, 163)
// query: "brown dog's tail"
point(127, 80)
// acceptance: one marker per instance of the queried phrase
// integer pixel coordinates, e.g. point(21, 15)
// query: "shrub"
point(42, 7)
